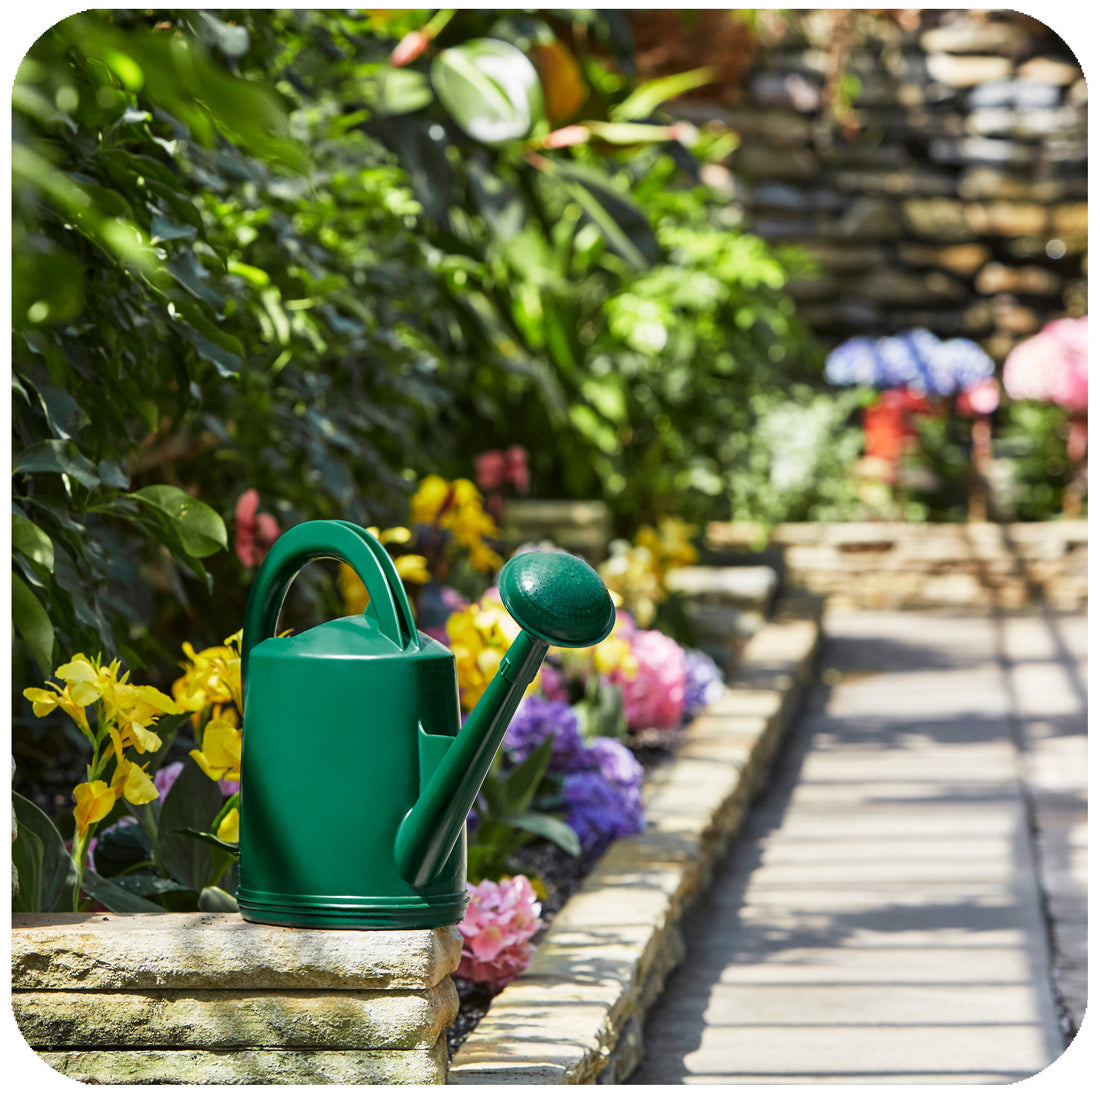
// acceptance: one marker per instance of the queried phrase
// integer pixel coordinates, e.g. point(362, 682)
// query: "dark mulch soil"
point(561, 875)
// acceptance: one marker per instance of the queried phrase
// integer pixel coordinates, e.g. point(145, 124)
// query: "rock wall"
point(933, 162)
point(900, 565)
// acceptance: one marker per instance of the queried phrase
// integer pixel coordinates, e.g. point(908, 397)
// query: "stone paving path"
point(907, 901)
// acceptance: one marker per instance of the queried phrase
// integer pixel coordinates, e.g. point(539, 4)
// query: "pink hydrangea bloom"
point(497, 930)
point(654, 697)
point(1052, 365)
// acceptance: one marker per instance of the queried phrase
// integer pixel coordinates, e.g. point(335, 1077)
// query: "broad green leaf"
point(549, 827)
point(627, 133)
point(214, 900)
point(33, 624)
point(192, 802)
point(56, 455)
point(402, 91)
point(26, 857)
point(519, 786)
point(144, 883)
point(647, 97)
point(200, 528)
point(28, 539)
point(58, 873)
point(210, 839)
point(489, 88)
point(121, 848)
point(115, 898)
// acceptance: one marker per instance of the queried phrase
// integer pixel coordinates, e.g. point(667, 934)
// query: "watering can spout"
point(556, 599)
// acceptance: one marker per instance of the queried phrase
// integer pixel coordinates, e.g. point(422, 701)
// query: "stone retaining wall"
point(211, 999)
point(895, 565)
point(951, 194)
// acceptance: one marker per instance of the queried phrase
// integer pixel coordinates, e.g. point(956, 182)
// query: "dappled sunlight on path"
point(887, 914)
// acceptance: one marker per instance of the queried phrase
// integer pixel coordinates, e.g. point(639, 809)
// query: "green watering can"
point(356, 778)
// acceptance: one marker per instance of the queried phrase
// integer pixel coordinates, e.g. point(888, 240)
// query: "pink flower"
point(256, 533)
point(497, 930)
point(980, 399)
point(494, 469)
point(409, 48)
point(566, 136)
point(654, 697)
point(552, 683)
point(1052, 365)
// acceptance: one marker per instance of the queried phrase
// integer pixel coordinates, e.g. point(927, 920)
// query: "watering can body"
point(356, 778)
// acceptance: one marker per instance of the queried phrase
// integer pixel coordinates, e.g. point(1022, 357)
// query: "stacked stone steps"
point(211, 999)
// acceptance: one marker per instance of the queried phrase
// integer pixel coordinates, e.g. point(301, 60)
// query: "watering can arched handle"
point(327, 540)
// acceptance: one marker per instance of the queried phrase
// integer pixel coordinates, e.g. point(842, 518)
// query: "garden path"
point(890, 910)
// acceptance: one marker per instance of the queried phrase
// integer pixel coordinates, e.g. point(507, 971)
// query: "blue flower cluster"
point(535, 719)
point(916, 359)
point(704, 681)
point(605, 802)
point(603, 781)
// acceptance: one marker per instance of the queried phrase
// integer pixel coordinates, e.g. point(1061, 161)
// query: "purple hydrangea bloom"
point(598, 809)
point(535, 719)
point(704, 682)
point(615, 762)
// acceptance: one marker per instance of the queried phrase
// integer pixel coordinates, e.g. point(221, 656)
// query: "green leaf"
point(547, 826)
point(26, 857)
point(56, 455)
point(402, 91)
point(619, 219)
point(28, 539)
point(210, 839)
point(115, 898)
point(33, 624)
point(647, 97)
point(145, 883)
point(519, 786)
point(489, 88)
point(121, 848)
point(216, 901)
point(192, 802)
point(627, 133)
point(58, 873)
point(199, 528)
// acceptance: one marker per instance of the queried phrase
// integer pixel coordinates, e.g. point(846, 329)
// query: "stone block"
point(579, 526)
point(1049, 71)
point(965, 71)
point(750, 587)
point(261, 1066)
point(198, 951)
point(206, 1019)
point(1005, 218)
point(1071, 219)
point(962, 259)
point(997, 278)
point(973, 37)
point(937, 218)
point(1019, 94)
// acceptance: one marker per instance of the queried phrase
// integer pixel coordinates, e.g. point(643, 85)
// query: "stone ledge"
point(208, 998)
point(576, 1015)
point(197, 951)
point(256, 1067)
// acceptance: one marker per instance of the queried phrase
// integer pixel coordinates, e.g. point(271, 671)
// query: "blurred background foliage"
point(321, 253)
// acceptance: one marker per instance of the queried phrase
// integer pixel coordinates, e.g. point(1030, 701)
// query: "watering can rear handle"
point(322, 540)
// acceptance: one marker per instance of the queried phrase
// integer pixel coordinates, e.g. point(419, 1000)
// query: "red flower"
point(256, 533)
point(494, 468)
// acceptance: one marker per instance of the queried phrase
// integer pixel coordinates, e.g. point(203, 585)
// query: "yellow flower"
point(213, 677)
point(229, 829)
point(353, 590)
point(220, 757)
point(131, 780)
point(94, 800)
point(413, 569)
point(43, 701)
point(429, 500)
point(479, 636)
point(83, 678)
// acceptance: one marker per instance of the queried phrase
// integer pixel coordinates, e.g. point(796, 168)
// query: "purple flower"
point(165, 778)
point(535, 719)
point(704, 682)
point(598, 809)
point(617, 765)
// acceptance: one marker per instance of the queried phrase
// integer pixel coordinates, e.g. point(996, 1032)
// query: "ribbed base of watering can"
point(352, 911)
